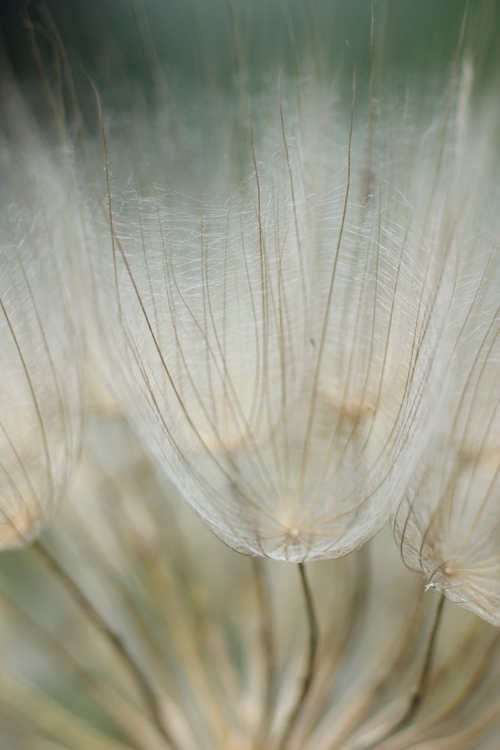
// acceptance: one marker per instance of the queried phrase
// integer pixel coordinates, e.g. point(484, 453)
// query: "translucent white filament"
point(40, 354)
point(274, 343)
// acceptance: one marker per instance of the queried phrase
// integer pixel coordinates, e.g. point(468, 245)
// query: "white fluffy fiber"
point(274, 337)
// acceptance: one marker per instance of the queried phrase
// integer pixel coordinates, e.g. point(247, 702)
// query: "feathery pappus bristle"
point(274, 269)
point(41, 388)
point(446, 524)
point(271, 342)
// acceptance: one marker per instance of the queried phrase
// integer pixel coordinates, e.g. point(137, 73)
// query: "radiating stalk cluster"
point(189, 610)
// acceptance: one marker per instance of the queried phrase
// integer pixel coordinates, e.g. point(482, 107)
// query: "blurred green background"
point(107, 37)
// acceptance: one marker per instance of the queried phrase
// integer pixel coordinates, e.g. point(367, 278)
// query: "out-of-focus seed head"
point(41, 396)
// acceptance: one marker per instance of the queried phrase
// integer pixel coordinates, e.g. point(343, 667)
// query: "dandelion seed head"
point(294, 299)
point(271, 341)
point(448, 522)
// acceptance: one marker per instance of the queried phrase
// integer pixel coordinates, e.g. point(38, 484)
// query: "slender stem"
point(307, 681)
point(141, 680)
point(423, 681)
point(269, 653)
point(427, 665)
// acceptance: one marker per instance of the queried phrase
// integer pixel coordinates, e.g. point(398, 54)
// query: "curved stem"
point(141, 680)
point(312, 622)
point(423, 681)
point(269, 653)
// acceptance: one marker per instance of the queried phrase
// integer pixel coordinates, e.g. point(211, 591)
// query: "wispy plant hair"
point(448, 523)
point(41, 389)
point(273, 337)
